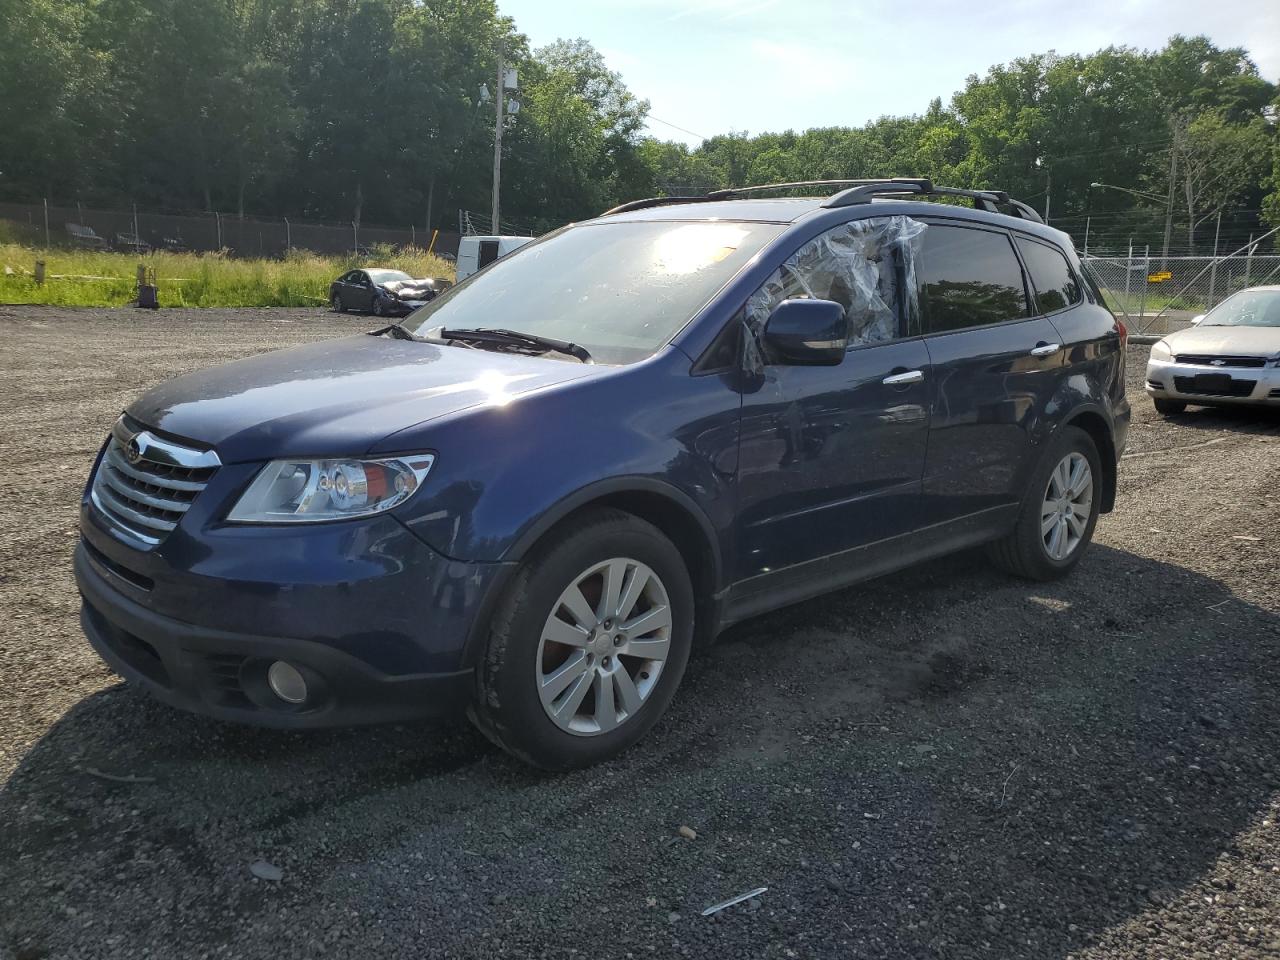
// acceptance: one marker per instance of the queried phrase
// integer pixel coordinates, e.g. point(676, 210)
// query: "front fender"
point(505, 474)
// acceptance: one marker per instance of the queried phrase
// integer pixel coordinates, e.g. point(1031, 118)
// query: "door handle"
point(1045, 349)
point(902, 379)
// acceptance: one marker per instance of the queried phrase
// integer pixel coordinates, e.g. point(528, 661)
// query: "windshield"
point(1248, 308)
point(388, 276)
point(621, 290)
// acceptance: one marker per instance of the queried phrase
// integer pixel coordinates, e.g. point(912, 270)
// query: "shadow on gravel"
point(941, 763)
point(1262, 420)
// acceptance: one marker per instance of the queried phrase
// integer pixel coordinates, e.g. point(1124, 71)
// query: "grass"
point(87, 278)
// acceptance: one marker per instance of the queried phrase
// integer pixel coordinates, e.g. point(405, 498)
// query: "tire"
point(378, 309)
point(335, 302)
point(521, 659)
point(1029, 550)
point(1169, 408)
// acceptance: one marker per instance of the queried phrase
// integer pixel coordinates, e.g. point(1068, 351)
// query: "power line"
point(673, 126)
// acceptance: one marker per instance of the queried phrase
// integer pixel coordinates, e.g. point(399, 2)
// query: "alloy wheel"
point(603, 647)
point(1067, 506)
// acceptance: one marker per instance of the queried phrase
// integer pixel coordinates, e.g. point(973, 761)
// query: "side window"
point(863, 265)
point(968, 278)
point(1055, 284)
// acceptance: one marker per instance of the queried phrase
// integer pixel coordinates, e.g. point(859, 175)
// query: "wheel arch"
point(1092, 421)
point(669, 509)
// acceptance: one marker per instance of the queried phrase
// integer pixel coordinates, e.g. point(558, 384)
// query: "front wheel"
point(1059, 512)
point(1169, 408)
point(379, 309)
point(589, 644)
point(335, 302)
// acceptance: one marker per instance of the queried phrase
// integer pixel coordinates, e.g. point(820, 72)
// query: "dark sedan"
point(384, 293)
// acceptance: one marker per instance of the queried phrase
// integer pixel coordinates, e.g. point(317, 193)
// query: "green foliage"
point(97, 279)
point(370, 110)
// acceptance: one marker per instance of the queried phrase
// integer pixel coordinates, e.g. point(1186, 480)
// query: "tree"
point(1217, 162)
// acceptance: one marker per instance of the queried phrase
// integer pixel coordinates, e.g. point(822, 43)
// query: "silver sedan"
point(1231, 355)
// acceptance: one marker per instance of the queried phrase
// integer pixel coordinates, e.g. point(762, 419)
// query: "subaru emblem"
point(1218, 363)
point(133, 452)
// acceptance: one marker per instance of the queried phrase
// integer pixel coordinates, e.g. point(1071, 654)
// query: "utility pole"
point(500, 97)
point(1168, 211)
point(1048, 191)
point(431, 195)
point(1213, 269)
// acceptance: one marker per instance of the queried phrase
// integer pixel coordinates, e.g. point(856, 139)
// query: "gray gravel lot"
point(943, 763)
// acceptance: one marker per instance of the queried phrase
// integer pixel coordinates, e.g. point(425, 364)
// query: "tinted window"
point(1056, 286)
point(968, 278)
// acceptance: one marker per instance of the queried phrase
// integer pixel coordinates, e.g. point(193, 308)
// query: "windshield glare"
point(388, 276)
point(621, 290)
point(1249, 308)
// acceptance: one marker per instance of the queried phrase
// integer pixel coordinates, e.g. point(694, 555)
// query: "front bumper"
point(1167, 380)
point(379, 624)
point(401, 308)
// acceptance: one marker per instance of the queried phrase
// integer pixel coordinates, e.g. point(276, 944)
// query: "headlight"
point(308, 491)
point(1160, 351)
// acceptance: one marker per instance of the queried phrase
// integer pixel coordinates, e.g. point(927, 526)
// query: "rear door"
point(1091, 338)
point(995, 364)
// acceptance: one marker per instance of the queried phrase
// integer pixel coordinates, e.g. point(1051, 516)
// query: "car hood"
point(411, 289)
point(1235, 341)
point(338, 397)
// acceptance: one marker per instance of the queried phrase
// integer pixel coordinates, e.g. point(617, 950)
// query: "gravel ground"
point(943, 763)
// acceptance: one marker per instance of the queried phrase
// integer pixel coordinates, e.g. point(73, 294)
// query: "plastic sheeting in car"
point(866, 266)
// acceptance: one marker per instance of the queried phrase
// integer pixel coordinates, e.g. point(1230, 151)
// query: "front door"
point(831, 458)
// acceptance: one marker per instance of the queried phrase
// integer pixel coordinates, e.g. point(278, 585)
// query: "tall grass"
point(87, 278)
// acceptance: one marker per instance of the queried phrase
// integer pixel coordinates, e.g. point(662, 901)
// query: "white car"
point(1231, 355)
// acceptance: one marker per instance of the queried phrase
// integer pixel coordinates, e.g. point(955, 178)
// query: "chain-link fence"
point(1158, 295)
point(66, 225)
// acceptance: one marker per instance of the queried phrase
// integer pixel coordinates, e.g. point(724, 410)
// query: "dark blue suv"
point(534, 497)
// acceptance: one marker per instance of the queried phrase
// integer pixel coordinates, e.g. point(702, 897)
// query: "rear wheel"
point(1059, 512)
point(587, 648)
point(1169, 408)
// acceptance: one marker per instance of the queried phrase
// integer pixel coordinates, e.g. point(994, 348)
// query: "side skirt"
point(769, 591)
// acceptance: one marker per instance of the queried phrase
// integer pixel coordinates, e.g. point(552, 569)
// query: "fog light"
point(287, 682)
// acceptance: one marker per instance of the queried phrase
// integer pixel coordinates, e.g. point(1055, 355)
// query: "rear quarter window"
point(1056, 284)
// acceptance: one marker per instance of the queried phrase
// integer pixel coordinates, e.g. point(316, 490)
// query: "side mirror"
point(807, 333)
point(1196, 319)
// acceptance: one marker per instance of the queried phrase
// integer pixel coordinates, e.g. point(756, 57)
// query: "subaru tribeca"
point(532, 499)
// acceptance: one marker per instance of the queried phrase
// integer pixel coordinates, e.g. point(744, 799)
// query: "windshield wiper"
point(517, 339)
point(397, 332)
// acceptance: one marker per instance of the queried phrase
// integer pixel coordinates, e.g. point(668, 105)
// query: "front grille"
point(145, 484)
point(1236, 388)
point(1209, 360)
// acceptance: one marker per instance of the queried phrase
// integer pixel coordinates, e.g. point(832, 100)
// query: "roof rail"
point(988, 200)
point(858, 191)
point(732, 192)
point(656, 202)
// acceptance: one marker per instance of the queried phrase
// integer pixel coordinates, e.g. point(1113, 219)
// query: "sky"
point(711, 66)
